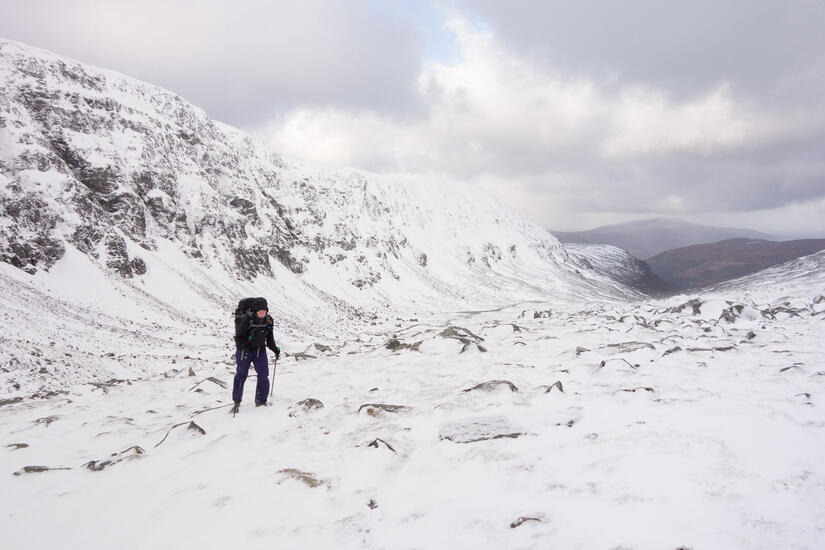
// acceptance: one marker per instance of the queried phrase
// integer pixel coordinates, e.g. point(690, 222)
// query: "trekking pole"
point(272, 381)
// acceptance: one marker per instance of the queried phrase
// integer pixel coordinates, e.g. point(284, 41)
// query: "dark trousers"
point(257, 358)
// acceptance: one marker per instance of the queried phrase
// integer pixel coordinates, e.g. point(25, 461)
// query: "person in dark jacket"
point(254, 334)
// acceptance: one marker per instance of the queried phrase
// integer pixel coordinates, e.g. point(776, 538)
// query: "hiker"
point(253, 333)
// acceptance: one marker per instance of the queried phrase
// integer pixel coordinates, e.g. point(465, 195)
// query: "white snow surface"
point(595, 418)
point(669, 427)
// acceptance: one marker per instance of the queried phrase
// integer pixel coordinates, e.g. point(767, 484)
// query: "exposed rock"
point(11, 401)
point(17, 446)
point(631, 346)
point(463, 335)
point(394, 344)
point(732, 313)
point(695, 305)
point(304, 477)
point(37, 470)
point(794, 366)
point(633, 390)
point(546, 314)
point(674, 349)
point(631, 365)
point(557, 384)
point(195, 428)
point(212, 379)
point(377, 409)
point(46, 420)
point(378, 442)
point(131, 453)
point(580, 350)
point(310, 403)
point(321, 347)
point(305, 406)
point(519, 521)
point(372, 505)
point(478, 429)
point(492, 385)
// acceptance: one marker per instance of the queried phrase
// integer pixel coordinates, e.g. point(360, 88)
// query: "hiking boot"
point(235, 408)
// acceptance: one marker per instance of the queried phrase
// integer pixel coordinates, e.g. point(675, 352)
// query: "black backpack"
point(244, 308)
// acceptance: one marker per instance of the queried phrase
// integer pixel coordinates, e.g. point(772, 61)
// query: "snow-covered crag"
point(110, 183)
point(619, 265)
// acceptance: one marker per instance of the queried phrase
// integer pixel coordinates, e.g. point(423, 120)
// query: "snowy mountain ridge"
point(174, 217)
point(112, 166)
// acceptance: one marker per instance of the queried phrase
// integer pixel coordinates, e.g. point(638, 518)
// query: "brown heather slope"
point(706, 264)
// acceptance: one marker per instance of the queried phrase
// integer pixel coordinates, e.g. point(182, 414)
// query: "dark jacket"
point(255, 333)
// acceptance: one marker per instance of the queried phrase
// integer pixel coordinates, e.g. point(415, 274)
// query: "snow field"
point(702, 448)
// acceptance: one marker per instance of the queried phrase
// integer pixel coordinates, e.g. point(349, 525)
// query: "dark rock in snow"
point(310, 403)
point(305, 406)
point(212, 379)
point(131, 453)
point(519, 521)
point(492, 385)
point(695, 305)
point(12, 401)
point(620, 359)
point(394, 344)
point(674, 349)
point(17, 446)
point(304, 477)
point(580, 350)
point(378, 442)
point(37, 470)
point(195, 428)
point(478, 429)
point(463, 335)
point(46, 420)
point(376, 409)
point(557, 384)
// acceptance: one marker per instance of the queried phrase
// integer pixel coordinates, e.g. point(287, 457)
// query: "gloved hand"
point(277, 353)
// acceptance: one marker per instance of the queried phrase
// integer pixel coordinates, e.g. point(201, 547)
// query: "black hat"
point(259, 304)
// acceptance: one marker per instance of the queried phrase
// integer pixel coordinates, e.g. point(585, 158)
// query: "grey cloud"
point(243, 62)
point(686, 47)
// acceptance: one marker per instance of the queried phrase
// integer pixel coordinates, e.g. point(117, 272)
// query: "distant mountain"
point(646, 238)
point(707, 264)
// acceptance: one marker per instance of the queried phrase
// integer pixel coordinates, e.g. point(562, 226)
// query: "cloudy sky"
point(576, 114)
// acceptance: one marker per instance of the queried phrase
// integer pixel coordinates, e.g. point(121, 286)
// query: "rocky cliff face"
point(113, 167)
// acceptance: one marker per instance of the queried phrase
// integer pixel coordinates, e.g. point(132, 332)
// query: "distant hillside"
point(707, 264)
point(619, 266)
point(646, 238)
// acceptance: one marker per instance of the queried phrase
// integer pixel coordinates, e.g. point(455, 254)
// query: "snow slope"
point(619, 265)
point(694, 422)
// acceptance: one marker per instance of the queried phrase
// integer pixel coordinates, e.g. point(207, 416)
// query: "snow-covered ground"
point(669, 427)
